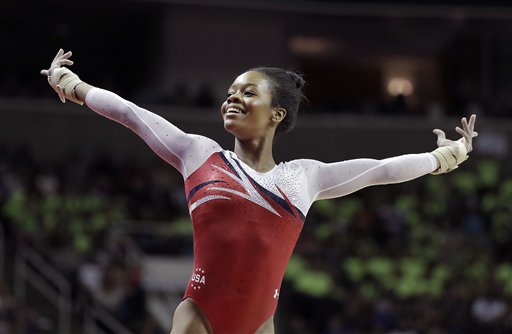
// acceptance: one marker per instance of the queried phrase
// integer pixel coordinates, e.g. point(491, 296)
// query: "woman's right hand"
point(56, 72)
point(61, 79)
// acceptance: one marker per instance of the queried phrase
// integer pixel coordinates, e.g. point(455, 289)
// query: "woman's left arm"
point(330, 180)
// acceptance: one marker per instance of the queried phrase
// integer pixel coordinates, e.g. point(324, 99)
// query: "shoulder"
point(306, 165)
point(200, 145)
point(301, 168)
point(195, 151)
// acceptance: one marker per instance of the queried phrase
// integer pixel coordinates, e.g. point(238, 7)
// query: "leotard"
point(246, 223)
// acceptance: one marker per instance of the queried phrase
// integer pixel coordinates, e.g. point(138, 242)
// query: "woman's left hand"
point(467, 132)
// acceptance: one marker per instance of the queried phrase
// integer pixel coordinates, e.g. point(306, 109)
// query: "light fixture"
point(400, 86)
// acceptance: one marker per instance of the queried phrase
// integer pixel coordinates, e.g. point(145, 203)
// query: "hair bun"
point(297, 79)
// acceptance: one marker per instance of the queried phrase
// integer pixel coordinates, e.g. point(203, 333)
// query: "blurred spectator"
point(490, 309)
point(112, 290)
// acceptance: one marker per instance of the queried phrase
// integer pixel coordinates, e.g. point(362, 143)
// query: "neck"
point(256, 153)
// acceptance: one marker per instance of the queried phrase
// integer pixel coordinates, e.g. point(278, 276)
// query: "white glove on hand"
point(61, 79)
point(451, 153)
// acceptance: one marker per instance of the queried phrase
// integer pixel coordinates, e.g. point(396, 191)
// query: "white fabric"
point(185, 152)
point(345, 177)
point(304, 181)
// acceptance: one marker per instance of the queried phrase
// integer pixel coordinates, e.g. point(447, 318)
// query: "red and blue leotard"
point(246, 223)
point(244, 234)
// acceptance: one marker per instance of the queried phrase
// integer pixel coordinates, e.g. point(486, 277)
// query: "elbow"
point(127, 117)
point(387, 173)
point(396, 172)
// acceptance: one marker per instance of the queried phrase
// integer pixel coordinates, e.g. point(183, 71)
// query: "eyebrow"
point(245, 85)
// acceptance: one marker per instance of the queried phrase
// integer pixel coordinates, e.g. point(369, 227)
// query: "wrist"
point(449, 157)
point(68, 83)
point(81, 90)
point(435, 162)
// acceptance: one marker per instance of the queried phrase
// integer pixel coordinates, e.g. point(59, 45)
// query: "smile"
point(233, 110)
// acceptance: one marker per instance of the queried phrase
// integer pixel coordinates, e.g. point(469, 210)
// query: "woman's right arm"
point(185, 152)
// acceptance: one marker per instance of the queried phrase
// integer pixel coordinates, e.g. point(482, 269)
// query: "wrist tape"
point(450, 157)
point(67, 83)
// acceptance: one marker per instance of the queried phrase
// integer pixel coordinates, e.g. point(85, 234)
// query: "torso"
point(246, 225)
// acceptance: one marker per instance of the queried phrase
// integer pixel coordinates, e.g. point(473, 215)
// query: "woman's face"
point(248, 111)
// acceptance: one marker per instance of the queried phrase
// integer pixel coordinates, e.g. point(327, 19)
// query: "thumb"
point(441, 137)
point(44, 72)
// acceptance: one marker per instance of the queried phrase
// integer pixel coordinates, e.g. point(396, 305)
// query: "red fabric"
point(240, 250)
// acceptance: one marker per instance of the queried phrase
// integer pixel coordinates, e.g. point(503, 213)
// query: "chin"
point(231, 128)
point(236, 131)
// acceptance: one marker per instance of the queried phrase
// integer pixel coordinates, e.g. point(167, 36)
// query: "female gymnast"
point(247, 211)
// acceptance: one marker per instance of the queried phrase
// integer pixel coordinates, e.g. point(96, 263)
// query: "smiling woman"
point(247, 211)
point(279, 89)
point(248, 110)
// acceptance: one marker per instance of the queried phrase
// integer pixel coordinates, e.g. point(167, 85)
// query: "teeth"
point(234, 110)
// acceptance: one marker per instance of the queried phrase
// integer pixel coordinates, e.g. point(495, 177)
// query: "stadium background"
point(94, 234)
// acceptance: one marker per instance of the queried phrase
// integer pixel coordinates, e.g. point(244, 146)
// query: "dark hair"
point(286, 88)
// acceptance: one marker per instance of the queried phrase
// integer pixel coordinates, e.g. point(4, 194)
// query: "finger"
point(472, 121)
point(44, 72)
point(64, 62)
point(463, 133)
point(440, 136)
point(58, 55)
point(465, 123)
point(66, 55)
point(439, 133)
point(470, 126)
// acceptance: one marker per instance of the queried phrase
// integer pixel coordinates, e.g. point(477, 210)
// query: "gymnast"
point(247, 210)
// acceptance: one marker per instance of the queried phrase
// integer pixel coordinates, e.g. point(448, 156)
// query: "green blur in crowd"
point(79, 219)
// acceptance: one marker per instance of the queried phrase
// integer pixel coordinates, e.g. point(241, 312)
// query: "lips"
point(233, 110)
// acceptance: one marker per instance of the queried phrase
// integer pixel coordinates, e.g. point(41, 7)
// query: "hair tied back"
point(297, 79)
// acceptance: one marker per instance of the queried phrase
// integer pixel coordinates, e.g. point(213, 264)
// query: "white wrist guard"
point(450, 157)
point(64, 83)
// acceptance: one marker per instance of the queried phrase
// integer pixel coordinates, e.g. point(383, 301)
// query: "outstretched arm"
point(184, 151)
point(341, 178)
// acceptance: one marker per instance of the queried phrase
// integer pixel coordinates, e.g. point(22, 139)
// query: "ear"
point(278, 114)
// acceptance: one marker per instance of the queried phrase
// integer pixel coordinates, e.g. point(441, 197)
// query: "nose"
point(234, 98)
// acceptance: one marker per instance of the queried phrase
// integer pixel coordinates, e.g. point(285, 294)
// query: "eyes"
point(247, 93)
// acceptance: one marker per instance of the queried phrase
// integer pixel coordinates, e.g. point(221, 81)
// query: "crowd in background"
point(65, 212)
point(428, 256)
